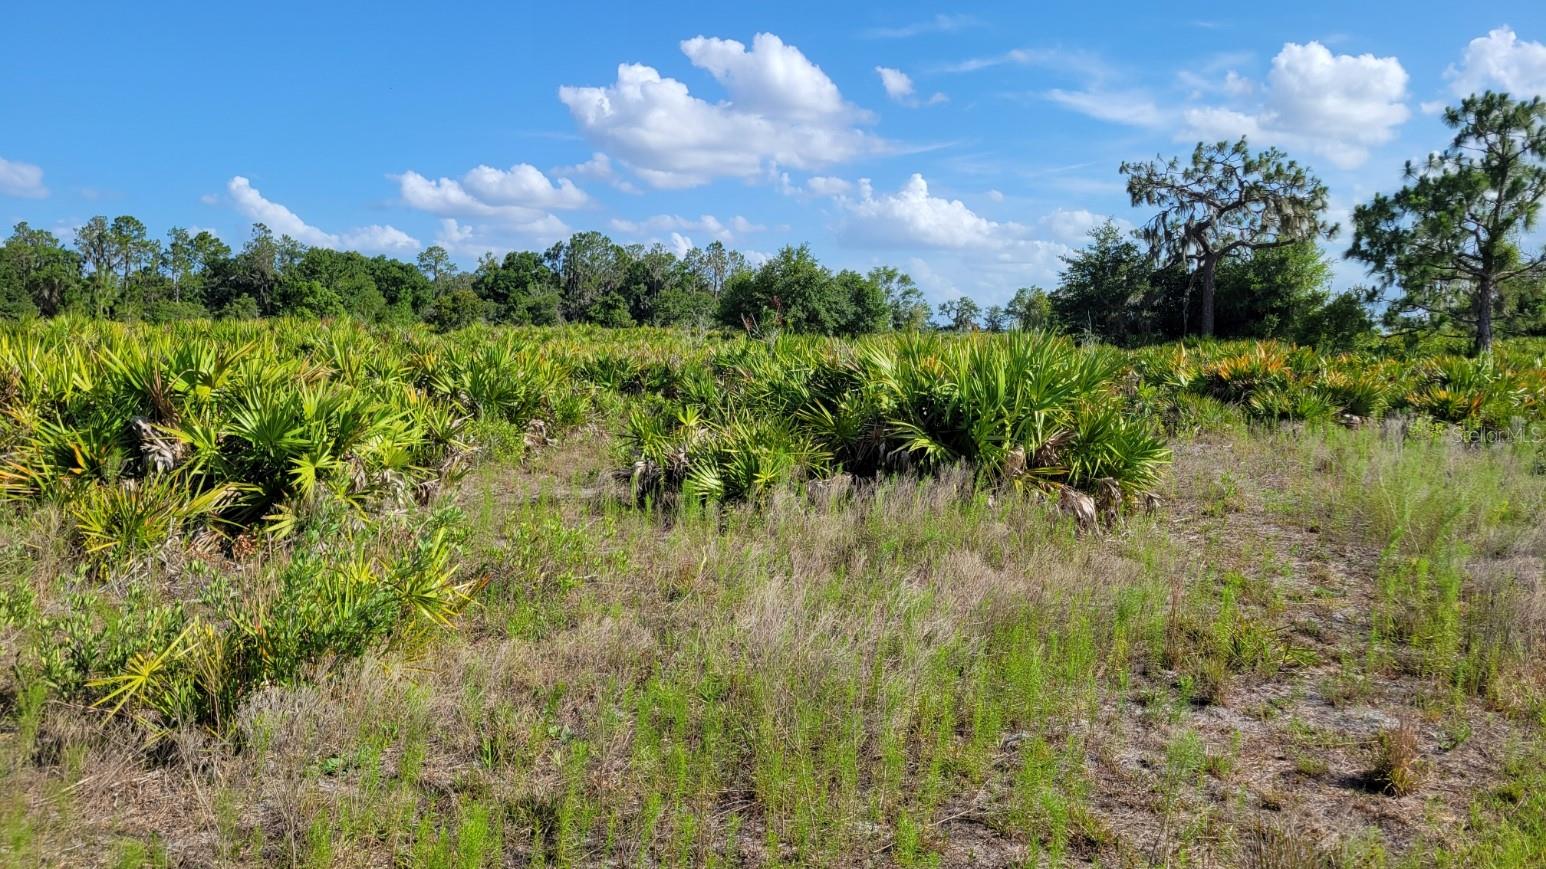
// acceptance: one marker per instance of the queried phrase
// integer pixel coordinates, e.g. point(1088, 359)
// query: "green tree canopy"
point(1224, 201)
point(1450, 239)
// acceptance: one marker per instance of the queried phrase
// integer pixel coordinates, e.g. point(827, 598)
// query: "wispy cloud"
point(1084, 64)
point(21, 179)
point(938, 24)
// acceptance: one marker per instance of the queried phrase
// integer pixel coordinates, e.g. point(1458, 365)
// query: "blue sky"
point(971, 146)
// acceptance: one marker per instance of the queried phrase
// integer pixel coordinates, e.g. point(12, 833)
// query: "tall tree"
point(791, 291)
point(257, 269)
point(867, 308)
point(1029, 309)
point(1105, 289)
point(961, 313)
point(1450, 239)
point(590, 267)
point(715, 264)
point(94, 240)
point(435, 261)
point(181, 260)
point(133, 248)
point(1267, 293)
point(1224, 201)
point(44, 270)
point(909, 309)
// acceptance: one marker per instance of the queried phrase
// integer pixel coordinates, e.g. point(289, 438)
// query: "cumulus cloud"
point(21, 179)
point(519, 194)
point(599, 166)
point(912, 217)
point(1335, 106)
point(376, 238)
point(975, 255)
point(743, 226)
point(1073, 226)
point(708, 224)
point(773, 78)
point(1500, 61)
point(783, 110)
point(522, 184)
point(815, 187)
point(448, 198)
point(473, 240)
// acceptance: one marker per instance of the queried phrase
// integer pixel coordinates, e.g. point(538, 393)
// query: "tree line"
point(1232, 250)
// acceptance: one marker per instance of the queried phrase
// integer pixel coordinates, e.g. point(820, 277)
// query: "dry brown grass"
point(1398, 766)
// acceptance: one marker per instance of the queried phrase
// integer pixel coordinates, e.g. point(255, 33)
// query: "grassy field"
point(320, 595)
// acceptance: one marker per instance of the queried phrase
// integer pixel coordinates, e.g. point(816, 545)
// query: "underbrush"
point(1499, 396)
point(151, 435)
point(1027, 410)
point(862, 633)
point(186, 642)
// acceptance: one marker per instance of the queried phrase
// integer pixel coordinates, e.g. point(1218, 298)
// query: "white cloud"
point(599, 166)
point(743, 226)
point(708, 223)
point(911, 217)
point(827, 185)
point(783, 110)
point(996, 195)
point(1083, 64)
point(1072, 226)
point(984, 258)
point(472, 240)
point(899, 87)
point(1212, 123)
point(280, 219)
point(21, 179)
point(1500, 61)
point(378, 238)
point(522, 184)
point(773, 78)
point(681, 244)
point(1122, 107)
point(1233, 84)
point(447, 197)
point(937, 24)
point(466, 240)
point(251, 203)
point(1335, 106)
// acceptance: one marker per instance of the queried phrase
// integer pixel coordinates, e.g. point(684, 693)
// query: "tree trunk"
point(1484, 300)
point(1209, 266)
